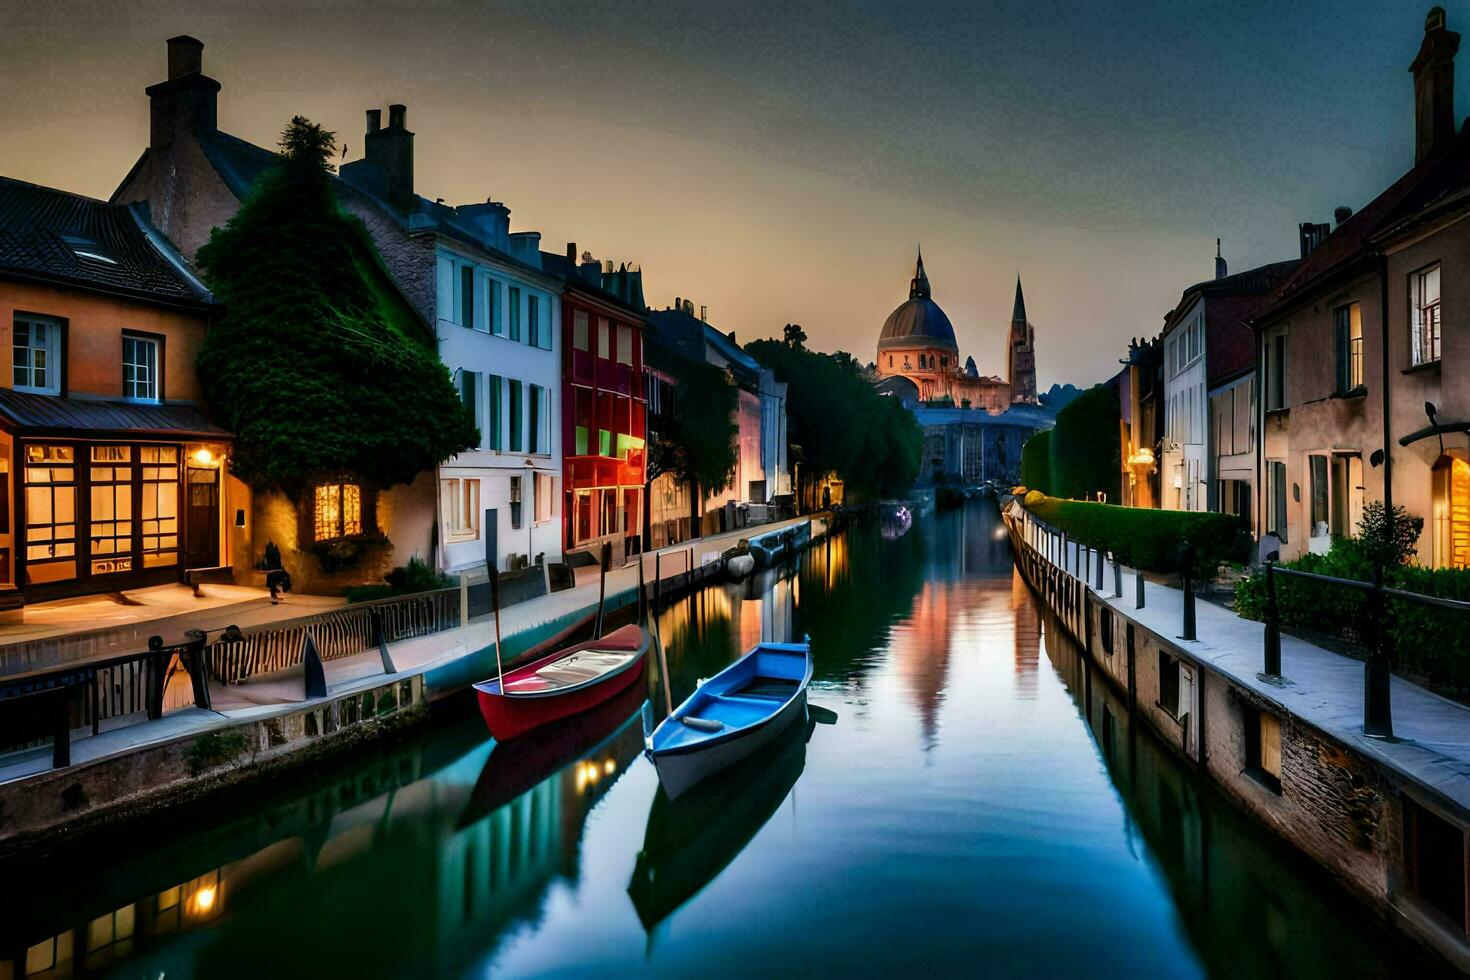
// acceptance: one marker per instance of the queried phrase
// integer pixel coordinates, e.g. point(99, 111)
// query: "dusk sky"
point(780, 164)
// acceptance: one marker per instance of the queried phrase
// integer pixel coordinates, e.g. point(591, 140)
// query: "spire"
point(1018, 312)
point(919, 285)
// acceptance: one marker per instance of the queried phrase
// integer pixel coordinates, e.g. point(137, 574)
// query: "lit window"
point(338, 511)
point(1348, 330)
point(35, 349)
point(460, 500)
point(544, 490)
point(140, 368)
point(1263, 747)
point(1424, 295)
point(604, 339)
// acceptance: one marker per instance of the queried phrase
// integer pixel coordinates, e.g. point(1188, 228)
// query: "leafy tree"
point(841, 424)
point(696, 439)
point(1036, 461)
point(1085, 448)
point(795, 337)
point(318, 365)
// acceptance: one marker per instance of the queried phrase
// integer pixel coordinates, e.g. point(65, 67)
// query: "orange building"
point(110, 478)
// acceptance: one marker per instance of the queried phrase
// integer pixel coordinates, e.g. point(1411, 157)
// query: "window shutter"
point(1344, 371)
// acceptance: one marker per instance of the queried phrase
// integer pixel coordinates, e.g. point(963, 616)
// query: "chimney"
point(374, 121)
point(188, 101)
point(1434, 87)
point(492, 220)
point(1220, 270)
point(1341, 214)
point(571, 252)
point(391, 150)
point(1311, 235)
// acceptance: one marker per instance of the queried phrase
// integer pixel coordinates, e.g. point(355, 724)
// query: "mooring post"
point(1273, 623)
point(1188, 633)
point(194, 663)
point(1117, 577)
point(1138, 588)
point(601, 587)
point(157, 670)
point(658, 583)
point(1377, 708)
point(1100, 564)
point(642, 595)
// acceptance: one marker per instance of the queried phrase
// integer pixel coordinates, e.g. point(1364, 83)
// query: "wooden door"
point(202, 519)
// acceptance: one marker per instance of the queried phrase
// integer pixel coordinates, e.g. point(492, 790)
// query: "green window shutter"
point(494, 441)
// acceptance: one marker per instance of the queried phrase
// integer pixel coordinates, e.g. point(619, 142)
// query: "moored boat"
point(729, 716)
point(562, 683)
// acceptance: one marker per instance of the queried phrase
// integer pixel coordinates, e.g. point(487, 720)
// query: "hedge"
point(1149, 539)
point(1085, 447)
point(1036, 461)
point(1431, 642)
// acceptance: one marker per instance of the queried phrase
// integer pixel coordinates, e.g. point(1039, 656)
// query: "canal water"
point(969, 799)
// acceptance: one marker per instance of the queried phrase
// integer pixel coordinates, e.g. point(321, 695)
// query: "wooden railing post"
point(1273, 624)
point(1377, 706)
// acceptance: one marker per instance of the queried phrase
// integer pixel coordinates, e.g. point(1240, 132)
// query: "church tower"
point(1021, 353)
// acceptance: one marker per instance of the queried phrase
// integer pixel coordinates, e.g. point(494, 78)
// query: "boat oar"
point(821, 715)
point(495, 605)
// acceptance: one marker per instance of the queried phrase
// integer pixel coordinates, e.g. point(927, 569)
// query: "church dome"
point(918, 322)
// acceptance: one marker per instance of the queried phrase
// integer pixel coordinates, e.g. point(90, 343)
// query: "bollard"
point(193, 658)
point(658, 583)
point(1100, 564)
point(1188, 633)
point(1273, 624)
point(1138, 588)
point(1117, 578)
point(1377, 707)
point(601, 589)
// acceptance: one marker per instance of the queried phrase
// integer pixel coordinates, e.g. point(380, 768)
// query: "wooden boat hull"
point(509, 716)
point(680, 772)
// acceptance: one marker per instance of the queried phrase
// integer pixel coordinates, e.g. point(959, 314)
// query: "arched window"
point(1451, 528)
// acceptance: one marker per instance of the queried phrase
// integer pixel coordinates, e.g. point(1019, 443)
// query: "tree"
point(795, 337)
point(843, 426)
point(1036, 462)
point(319, 366)
point(696, 439)
point(1085, 447)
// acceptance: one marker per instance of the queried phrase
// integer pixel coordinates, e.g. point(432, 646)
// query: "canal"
point(969, 799)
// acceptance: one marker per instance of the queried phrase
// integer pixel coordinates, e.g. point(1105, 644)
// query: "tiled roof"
point(54, 235)
point(49, 413)
point(1428, 183)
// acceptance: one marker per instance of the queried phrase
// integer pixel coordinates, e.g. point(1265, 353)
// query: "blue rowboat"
point(729, 716)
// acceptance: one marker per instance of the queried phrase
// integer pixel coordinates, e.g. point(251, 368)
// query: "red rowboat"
point(563, 683)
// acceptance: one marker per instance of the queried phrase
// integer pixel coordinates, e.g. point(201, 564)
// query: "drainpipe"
point(1387, 427)
point(1259, 517)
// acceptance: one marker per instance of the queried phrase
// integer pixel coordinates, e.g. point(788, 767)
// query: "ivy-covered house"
point(324, 367)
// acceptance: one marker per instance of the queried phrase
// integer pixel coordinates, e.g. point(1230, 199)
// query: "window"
point(625, 344)
point(1169, 684)
point(534, 412)
point(515, 313)
point(1347, 497)
point(1424, 297)
point(1319, 495)
point(582, 405)
point(1276, 499)
point(545, 490)
point(160, 505)
point(515, 502)
point(533, 320)
point(495, 439)
point(492, 309)
point(110, 527)
point(609, 512)
point(460, 500)
point(1263, 747)
point(516, 435)
point(604, 338)
point(579, 331)
point(1434, 861)
point(338, 511)
point(36, 355)
point(1348, 330)
point(469, 395)
point(1276, 372)
point(140, 368)
point(51, 502)
point(467, 295)
point(943, 361)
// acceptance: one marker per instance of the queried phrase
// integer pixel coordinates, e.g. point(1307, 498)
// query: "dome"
point(918, 322)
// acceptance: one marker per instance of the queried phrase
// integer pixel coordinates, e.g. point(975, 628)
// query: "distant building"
point(761, 472)
point(1140, 386)
point(1208, 457)
point(974, 426)
point(110, 477)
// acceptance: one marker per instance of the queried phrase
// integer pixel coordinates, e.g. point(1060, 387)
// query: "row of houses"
point(122, 480)
point(1292, 393)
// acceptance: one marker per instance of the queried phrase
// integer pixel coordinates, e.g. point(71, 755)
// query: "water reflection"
point(958, 819)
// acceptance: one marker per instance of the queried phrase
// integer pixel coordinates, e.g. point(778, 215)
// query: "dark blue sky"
point(778, 163)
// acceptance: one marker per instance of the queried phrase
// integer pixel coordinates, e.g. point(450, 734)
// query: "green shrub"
point(1154, 540)
point(1036, 461)
point(416, 576)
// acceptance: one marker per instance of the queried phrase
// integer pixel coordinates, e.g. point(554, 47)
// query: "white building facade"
point(1186, 476)
point(499, 326)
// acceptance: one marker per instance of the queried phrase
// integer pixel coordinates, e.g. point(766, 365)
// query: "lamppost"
point(530, 518)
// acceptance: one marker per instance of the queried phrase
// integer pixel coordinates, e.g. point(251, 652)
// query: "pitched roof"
point(54, 235)
point(1426, 185)
point(49, 413)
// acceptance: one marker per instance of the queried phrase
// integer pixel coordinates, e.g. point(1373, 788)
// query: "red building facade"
point(604, 413)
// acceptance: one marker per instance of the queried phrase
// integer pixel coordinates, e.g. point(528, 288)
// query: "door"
point(202, 549)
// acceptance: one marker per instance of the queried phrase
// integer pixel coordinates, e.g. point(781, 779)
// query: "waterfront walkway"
point(1431, 743)
point(283, 692)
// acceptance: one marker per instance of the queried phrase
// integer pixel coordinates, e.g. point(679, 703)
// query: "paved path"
point(1432, 733)
point(283, 692)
